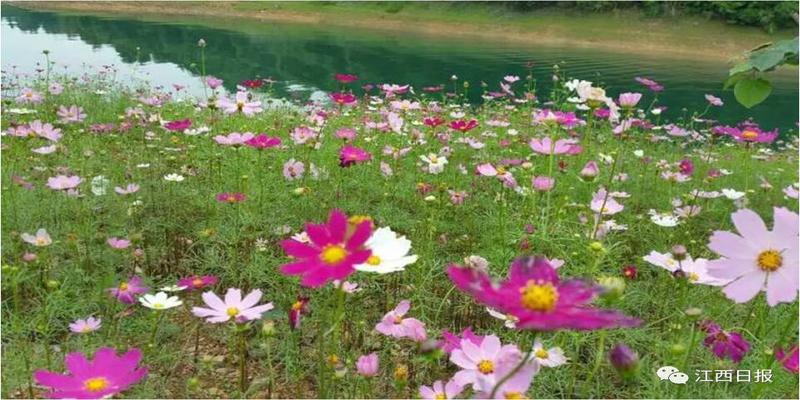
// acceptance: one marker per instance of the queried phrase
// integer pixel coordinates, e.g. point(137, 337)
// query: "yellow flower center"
point(514, 395)
point(333, 254)
point(374, 260)
point(539, 296)
point(297, 305)
point(501, 171)
point(542, 353)
point(231, 199)
point(41, 241)
point(96, 384)
point(749, 134)
point(123, 286)
point(440, 396)
point(86, 329)
point(233, 311)
point(239, 106)
point(486, 367)
point(197, 282)
point(433, 159)
point(158, 306)
point(693, 277)
point(770, 260)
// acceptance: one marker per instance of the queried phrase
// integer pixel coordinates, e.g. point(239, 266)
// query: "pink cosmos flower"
point(303, 134)
point(651, 84)
point(534, 294)
point(63, 182)
point(231, 198)
point(343, 99)
point(714, 100)
point(481, 361)
point(348, 134)
point(73, 114)
point(293, 169)
point(333, 251)
point(686, 166)
point(345, 78)
point(213, 82)
point(234, 138)
point(463, 126)
point(234, 306)
point(547, 146)
point(197, 282)
point(590, 170)
point(103, 377)
point(118, 243)
point(126, 291)
point(756, 259)
point(263, 141)
point(392, 89)
point(44, 130)
point(441, 391)
point(393, 324)
point(350, 155)
point(87, 325)
point(28, 95)
point(543, 183)
point(178, 125)
point(40, 239)
point(241, 103)
point(789, 361)
point(131, 188)
point(514, 388)
point(723, 343)
point(367, 365)
point(55, 88)
point(605, 204)
point(500, 173)
point(629, 100)
point(457, 197)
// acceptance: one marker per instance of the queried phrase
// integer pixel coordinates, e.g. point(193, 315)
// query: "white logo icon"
point(672, 374)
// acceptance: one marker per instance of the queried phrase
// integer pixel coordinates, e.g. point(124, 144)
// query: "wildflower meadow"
point(392, 241)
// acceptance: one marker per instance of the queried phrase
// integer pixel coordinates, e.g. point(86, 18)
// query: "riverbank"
point(625, 32)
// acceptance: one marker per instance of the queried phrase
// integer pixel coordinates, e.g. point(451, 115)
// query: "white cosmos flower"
point(509, 320)
point(174, 178)
point(160, 301)
point(389, 252)
point(173, 288)
point(100, 185)
point(696, 270)
point(435, 163)
point(665, 220)
point(550, 358)
point(732, 194)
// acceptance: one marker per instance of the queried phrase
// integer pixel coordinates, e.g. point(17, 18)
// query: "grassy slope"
point(183, 230)
point(629, 32)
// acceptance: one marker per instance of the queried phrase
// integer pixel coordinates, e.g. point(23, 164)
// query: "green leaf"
point(734, 79)
point(750, 92)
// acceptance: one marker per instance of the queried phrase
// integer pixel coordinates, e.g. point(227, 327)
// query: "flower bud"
point(590, 171)
point(624, 360)
point(679, 252)
point(613, 286)
point(201, 43)
point(596, 246)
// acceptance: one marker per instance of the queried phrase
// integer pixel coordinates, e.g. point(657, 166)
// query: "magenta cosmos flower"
point(126, 291)
point(343, 99)
point(393, 324)
point(234, 306)
point(198, 282)
point(102, 377)
point(231, 198)
point(724, 344)
point(534, 294)
point(63, 182)
point(178, 125)
point(296, 311)
point(757, 259)
point(463, 126)
point(262, 142)
point(789, 361)
point(350, 155)
point(345, 78)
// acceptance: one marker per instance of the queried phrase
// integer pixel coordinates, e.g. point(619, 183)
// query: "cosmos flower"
point(367, 365)
point(129, 189)
point(234, 306)
point(263, 141)
point(29, 96)
point(345, 78)
point(198, 282)
point(509, 321)
point(513, 388)
point(482, 360)
point(213, 82)
point(160, 301)
point(296, 311)
point(605, 204)
point(441, 391)
point(629, 100)
point(694, 270)
point(87, 325)
point(178, 125)
point(118, 243)
point(343, 99)
point(548, 146)
point(293, 169)
point(433, 121)
point(435, 163)
point(756, 259)
point(40, 239)
point(393, 324)
point(714, 100)
point(535, 295)
point(451, 341)
point(63, 182)
point(550, 358)
point(333, 252)
point(70, 115)
point(789, 361)
point(174, 177)
point(349, 155)
point(103, 377)
point(389, 252)
point(126, 290)
point(723, 343)
point(231, 197)
point(234, 138)
point(241, 103)
point(463, 126)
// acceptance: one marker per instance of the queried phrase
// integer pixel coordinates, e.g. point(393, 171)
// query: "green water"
point(303, 59)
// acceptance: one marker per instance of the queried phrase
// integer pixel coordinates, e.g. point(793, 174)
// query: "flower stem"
point(242, 361)
point(156, 322)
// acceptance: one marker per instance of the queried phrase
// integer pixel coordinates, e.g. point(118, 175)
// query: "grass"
point(183, 230)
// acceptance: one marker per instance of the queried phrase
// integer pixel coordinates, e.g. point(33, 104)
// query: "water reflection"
point(306, 57)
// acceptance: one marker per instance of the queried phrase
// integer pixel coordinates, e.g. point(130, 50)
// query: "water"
point(303, 59)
